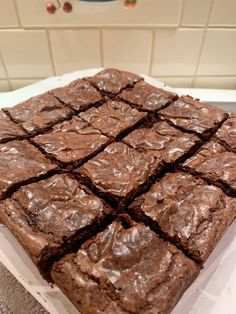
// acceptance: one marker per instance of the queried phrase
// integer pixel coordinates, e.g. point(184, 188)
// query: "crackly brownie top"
point(215, 162)
point(9, 129)
point(147, 97)
point(141, 271)
point(20, 161)
point(193, 115)
point(162, 140)
point(227, 133)
point(112, 81)
point(39, 112)
point(119, 169)
point(71, 141)
point(78, 94)
point(113, 117)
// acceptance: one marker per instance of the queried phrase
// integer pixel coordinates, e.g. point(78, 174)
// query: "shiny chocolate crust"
point(163, 141)
point(39, 113)
point(226, 134)
point(193, 116)
point(51, 216)
point(112, 81)
point(79, 95)
point(20, 162)
point(8, 129)
point(148, 97)
point(113, 117)
point(188, 211)
point(72, 141)
point(125, 270)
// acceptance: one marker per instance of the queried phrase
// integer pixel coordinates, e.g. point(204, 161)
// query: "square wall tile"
point(8, 17)
point(176, 81)
point(176, 52)
point(4, 87)
point(223, 13)
point(75, 49)
point(222, 82)
point(26, 53)
point(195, 12)
point(127, 49)
point(15, 84)
point(219, 53)
point(2, 72)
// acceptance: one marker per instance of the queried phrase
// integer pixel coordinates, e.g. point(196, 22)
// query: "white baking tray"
point(213, 292)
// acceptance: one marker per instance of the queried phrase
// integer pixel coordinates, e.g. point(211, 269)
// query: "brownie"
point(8, 129)
point(147, 97)
point(21, 162)
point(72, 141)
point(215, 164)
point(39, 113)
point(79, 95)
point(193, 116)
point(51, 216)
point(163, 141)
point(113, 81)
point(113, 118)
point(119, 172)
point(226, 135)
point(125, 269)
point(188, 211)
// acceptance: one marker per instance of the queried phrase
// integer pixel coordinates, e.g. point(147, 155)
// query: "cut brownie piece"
point(147, 97)
point(163, 141)
point(51, 216)
point(113, 118)
point(191, 213)
point(72, 141)
point(21, 162)
point(119, 172)
point(8, 129)
point(79, 94)
point(215, 164)
point(112, 81)
point(194, 116)
point(227, 133)
point(39, 113)
point(125, 269)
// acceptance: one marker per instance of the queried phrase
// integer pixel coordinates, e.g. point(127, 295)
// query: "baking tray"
point(213, 291)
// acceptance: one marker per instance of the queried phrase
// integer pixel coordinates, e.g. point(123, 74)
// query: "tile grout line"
point(181, 14)
point(101, 47)
point(151, 58)
point(17, 14)
point(6, 72)
point(50, 52)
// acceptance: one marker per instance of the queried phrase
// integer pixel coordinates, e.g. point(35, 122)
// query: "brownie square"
point(125, 269)
point(119, 172)
point(8, 129)
point(193, 116)
point(51, 216)
point(113, 81)
point(21, 162)
point(39, 113)
point(163, 141)
point(72, 142)
point(147, 97)
point(215, 164)
point(188, 211)
point(79, 95)
point(113, 118)
point(226, 134)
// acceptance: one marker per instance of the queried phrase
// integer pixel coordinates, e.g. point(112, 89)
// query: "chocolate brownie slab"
point(8, 129)
point(226, 134)
point(125, 269)
point(113, 118)
point(50, 216)
point(193, 116)
point(147, 97)
point(188, 211)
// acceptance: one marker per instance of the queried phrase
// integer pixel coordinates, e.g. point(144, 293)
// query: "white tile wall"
point(8, 16)
point(195, 12)
point(223, 13)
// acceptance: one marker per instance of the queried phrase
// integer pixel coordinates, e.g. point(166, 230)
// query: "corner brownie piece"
point(113, 118)
point(193, 116)
point(39, 113)
point(188, 211)
point(226, 134)
point(215, 164)
point(125, 269)
point(51, 216)
point(163, 141)
point(147, 97)
point(79, 95)
point(119, 172)
point(113, 81)
point(72, 142)
point(8, 129)
point(21, 162)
